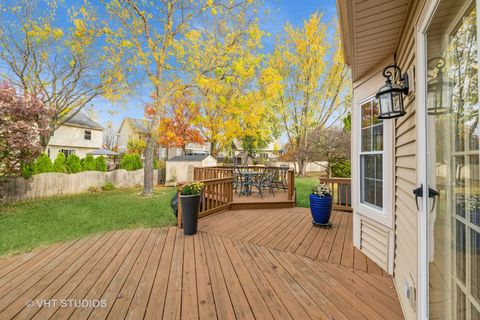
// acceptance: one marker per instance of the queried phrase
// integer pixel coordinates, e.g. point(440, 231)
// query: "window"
point(67, 152)
point(371, 156)
point(88, 135)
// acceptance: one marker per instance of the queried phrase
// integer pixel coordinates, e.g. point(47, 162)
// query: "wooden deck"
point(291, 230)
point(161, 274)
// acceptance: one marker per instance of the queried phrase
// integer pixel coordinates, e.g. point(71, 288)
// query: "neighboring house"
point(430, 244)
point(269, 153)
point(131, 129)
point(79, 135)
point(243, 158)
point(136, 129)
point(180, 168)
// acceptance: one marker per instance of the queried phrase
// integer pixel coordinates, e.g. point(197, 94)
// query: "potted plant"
point(190, 202)
point(321, 205)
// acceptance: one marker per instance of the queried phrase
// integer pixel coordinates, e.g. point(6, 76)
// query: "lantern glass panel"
point(397, 101)
point(385, 102)
point(447, 95)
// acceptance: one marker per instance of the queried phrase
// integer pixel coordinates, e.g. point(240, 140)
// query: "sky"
point(280, 12)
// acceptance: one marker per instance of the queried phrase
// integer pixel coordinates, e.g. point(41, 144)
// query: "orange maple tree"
point(177, 129)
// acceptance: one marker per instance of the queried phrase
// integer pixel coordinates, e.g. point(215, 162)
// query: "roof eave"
point(344, 9)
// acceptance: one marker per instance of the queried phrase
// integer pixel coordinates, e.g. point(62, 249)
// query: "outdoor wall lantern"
point(440, 91)
point(390, 96)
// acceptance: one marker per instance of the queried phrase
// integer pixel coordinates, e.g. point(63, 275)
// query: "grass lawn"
point(304, 186)
point(27, 225)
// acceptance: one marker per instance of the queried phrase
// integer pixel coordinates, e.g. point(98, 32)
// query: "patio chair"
point(265, 182)
point(236, 179)
point(280, 178)
point(244, 183)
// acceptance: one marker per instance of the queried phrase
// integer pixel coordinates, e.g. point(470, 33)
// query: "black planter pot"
point(190, 206)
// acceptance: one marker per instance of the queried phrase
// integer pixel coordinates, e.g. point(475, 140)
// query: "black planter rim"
point(189, 195)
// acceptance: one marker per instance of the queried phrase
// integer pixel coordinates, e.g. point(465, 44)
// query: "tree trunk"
point(301, 167)
point(148, 183)
point(213, 149)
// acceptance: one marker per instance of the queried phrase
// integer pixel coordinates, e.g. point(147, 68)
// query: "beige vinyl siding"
point(374, 242)
point(406, 216)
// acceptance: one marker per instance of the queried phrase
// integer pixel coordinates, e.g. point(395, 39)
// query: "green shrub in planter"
point(73, 164)
point(44, 164)
point(28, 169)
point(108, 186)
point(88, 163)
point(100, 164)
point(59, 163)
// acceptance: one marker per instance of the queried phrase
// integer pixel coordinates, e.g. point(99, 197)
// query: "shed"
point(180, 168)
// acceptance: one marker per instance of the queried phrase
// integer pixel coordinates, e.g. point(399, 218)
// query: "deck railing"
point(217, 195)
point(206, 173)
point(341, 191)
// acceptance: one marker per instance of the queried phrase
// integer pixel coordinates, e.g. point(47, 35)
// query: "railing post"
point(291, 183)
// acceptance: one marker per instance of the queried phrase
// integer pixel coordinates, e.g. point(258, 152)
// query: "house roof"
point(236, 145)
point(370, 31)
point(244, 154)
point(139, 125)
point(193, 158)
point(82, 120)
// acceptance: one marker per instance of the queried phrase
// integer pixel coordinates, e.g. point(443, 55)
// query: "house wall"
point(374, 239)
point(406, 175)
point(71, 137)
point(394, 247)
point(123, 136)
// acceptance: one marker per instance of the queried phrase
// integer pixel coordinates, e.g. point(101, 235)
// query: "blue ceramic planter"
point(321, 208)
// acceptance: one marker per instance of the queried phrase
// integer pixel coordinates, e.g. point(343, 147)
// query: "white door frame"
point(422, 159)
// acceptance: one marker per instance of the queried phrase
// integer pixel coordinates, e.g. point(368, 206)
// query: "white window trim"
point(385, 215)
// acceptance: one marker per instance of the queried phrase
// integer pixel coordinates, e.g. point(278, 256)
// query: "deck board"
point(215, 274)
point(291, 230)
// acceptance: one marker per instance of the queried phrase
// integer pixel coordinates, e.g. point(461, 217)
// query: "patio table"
point(249, 176)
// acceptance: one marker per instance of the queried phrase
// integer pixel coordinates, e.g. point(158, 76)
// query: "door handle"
point(432, 193)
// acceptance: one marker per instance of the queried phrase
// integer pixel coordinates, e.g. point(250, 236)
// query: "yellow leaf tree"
point(315, 85)
point(228, 71)
point(58, 51)
point(154, 30)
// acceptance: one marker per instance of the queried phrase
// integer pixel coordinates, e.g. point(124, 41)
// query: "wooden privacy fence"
point(341, 192)
point(217, 196)
point(46, 185)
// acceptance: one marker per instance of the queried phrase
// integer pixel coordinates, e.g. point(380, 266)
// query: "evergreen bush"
point(73, 164)
point(100, 164)
point(88, 163)
point(43, 164)
point(28, 169)
point(59, 163)
point(131, 162)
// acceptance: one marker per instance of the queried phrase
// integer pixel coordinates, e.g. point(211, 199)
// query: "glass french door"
point(453, 191)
